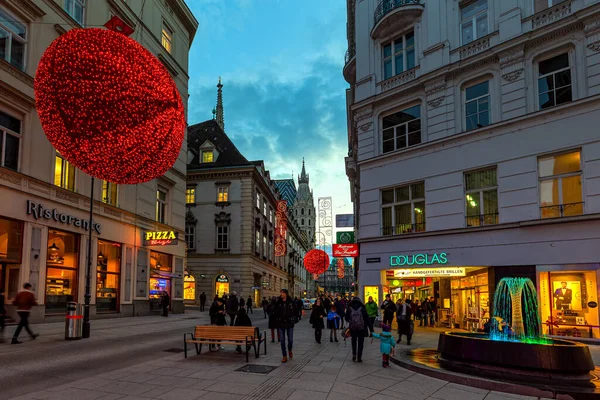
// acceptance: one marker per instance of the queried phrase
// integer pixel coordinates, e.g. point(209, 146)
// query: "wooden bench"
point(248, 336)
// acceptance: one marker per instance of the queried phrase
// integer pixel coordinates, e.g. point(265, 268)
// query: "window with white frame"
point(561, 193)
point(167, 38)
point(554, 81)
point(258, 199)
point(222, 194)
point(270, 249)
point(161, 204)
point(222, 236)
point(190, 196)
point(265, 246)
point(257, 240)
point(477, 105)
point(402, 129)
point(541, 5)
point(403, 209)
point(190, 237)
point(399, 55)
point(270, 215)
point(10, 141)
point(110, 193)
point(481, 197)
point(265, 207)
point(76, 9)
point(13, 39)
point(64, 173)
point(474, 21)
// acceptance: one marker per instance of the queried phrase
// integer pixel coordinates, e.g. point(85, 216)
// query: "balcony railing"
point(562, 210)
point(403, 229)
point(350, 53)
point(387, 6)
point(483, 219)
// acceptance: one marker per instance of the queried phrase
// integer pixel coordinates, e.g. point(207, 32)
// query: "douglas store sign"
point(418, 259)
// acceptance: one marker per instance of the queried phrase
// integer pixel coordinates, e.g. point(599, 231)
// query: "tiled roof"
point(287, 190)
point(210, 130)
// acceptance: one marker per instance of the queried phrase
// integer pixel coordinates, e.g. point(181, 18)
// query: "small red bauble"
point(109, 106)
point(316, 261)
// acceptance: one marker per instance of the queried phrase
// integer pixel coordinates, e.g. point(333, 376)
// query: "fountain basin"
point(555, 361)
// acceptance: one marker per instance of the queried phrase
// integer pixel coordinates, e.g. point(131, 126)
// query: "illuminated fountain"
point(514, 348)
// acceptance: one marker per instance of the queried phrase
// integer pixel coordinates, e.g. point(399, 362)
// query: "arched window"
point(302, 221)
point(309, 222)
point(302, 211)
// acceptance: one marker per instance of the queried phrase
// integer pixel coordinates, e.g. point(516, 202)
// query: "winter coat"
point(333, 320)
point(340, 306)
point(372, 309)
point(272, 318)
point(285, 313)
point(389, 309)
point(242, 318)
point(232, 305)
point(249, 302)
point(387, 342)
point(358, 305)
point(242, 302)
point(217, 318)
point(316, 317)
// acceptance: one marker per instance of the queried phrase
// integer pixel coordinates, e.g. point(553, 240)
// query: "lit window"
point(481, 197)
point(75, 8)
point(265, 246)
point(402, 129)
point(109, 193)
point(167, 41)
point(190, 237)
point(270, 215)
point(477, 105)
point(258, 199)
point(399, 55)
point(265, 207)
point(560, 185)
point(541, 5)
point(222, 237)
point(257, 238)
point(223, 194)
point(10, 141)
point(190, 196)
point(161, 205)
point(64, 173)
point(554, 81)
point(207, 156)
point(13, 36)
point(403, 209)
point(474, 21)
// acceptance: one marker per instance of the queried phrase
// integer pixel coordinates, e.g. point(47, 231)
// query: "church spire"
point(219, 110)
point(303, 178)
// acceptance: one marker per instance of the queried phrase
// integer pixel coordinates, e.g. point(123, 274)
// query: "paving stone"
point(457, 392)
point(182, 394)
point(232, 387)
point(507, 396)
point(300, 394)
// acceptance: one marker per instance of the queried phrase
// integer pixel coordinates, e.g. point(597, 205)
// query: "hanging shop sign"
point(281, 228)
point(344, 237)
point(344, 221)
point(38, 211)
point(160, 238)
point(429, 272)
point(222, 279)
point(418, 259)
point(345, 250)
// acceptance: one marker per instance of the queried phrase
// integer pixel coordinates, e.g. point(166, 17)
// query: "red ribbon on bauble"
point(316, 261)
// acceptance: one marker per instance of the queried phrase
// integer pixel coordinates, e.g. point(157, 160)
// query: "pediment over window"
point(208, 152)
point(223, 217)
point(190, 218)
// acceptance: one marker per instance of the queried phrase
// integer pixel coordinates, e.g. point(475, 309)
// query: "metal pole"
point(88, 275)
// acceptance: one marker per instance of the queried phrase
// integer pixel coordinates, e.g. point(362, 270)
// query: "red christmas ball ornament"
point(109, 106)
point(340, 268)
point(316, 261)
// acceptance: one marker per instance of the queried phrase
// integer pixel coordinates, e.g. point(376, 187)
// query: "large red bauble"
point(109, 106)
point(316, 261)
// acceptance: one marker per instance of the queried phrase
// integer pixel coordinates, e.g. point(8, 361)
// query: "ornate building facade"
point(304, 206)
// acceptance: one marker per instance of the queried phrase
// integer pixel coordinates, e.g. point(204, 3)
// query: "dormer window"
point(207, 157)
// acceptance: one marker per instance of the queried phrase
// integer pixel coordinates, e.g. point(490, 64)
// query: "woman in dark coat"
point(316, 319)
point(242, 319)
point(273, 320)
point(217, 315)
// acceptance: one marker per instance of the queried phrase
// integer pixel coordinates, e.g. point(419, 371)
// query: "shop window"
point(11, 240)
point(474, 21)
point(560, 185)
point(167, 40)
point(76, 9)
point(221, 285)
point(64, 173)
point(62, 264)
point(190, 196)
point(161, 268)
point(477, 106)
point(403, 209)
point(108, 270)
point(190, 237)
point(110, 193)
point(481, 197)
point(554, 81)
point(161, 205)
point(189, 288)
point(13, 39)
point(10, 138)
point(222, 194)
point(399, 55)
point(402, 129)
point(541, 5)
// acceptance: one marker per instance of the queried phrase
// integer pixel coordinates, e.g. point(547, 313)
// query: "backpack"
point(357, 322)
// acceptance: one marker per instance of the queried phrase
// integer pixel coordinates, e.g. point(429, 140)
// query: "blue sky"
point(284, 94)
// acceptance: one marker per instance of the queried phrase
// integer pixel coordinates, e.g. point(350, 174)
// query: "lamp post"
point(85, 333)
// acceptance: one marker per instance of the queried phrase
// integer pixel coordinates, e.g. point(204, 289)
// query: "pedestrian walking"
point(202, 301)
point(265, 305)
point(333, 323)
point(316, 319)
point(372, 311)
point(357, 323)
point(387, 345)
point(405, 323)
point(242, 319)
point(242, 301)
point(165, 302)
point(217, 316)
point(272, 320)
point(327, 304)
point(232, 306)
point(24, 301)
point(285, 312)
point(249, 304)
point(433, 314)
point(340, 306)
point(2, 315)
point(389, 309)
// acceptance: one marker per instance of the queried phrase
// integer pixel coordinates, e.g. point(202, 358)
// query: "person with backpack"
point(357, 323)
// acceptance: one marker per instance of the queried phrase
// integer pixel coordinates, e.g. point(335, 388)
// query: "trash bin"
point(73, 322)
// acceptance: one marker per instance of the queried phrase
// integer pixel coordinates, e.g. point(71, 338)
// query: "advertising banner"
point(281, 228)
point(344, 221)
point(345, 250)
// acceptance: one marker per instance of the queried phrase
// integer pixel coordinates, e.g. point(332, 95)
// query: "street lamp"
point(85, 332)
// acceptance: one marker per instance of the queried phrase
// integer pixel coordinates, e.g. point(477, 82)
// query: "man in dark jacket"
point(202, 301)
point(285, 315)
point(24, 301)
point(405, 323)
point(389, 309)
point(357, 322)
point(217, 316)
point(249, 304)
point(232, 306)
point(165, 302)
point(265, 305)
point(242, 301)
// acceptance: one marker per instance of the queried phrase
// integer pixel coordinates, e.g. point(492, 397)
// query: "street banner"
point(344, 221)
point(281, 228)
point(344, 237)
point(345, 250)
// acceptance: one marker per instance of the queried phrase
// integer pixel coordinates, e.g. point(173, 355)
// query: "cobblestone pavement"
point(317, 371)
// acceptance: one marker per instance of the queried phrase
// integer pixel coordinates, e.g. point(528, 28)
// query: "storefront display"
point(221, 285)
point(161, 271)
point(61, 270)
point(470, 301)
point(189, 288)
point(11, 244)
point(108, 270)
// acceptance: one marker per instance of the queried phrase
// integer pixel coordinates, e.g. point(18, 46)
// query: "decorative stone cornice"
point(8, 176)
point(65, 195)
point(27, 8)
point(475, 47)
point(436, 92)
point(551, 14)
point(190, 219)
point(565, 30)
point(7, 92)
point(223, 217)
point(398, 80)
point(592, 35)
point(17, 73)
point(512, 64)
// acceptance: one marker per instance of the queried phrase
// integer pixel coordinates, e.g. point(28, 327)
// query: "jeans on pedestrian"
point(23, 323)
point(358, 340)
point(318, 334)
point(371, 325)
point(250, 309)
point(289, 332)
point(232, 316)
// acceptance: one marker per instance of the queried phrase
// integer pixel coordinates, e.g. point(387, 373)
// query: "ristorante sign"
point(429, 272)
point(418, 259)
point(160, 238)
point(38, 211)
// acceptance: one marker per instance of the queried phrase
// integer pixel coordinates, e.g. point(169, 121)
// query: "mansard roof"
point(229, 155)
